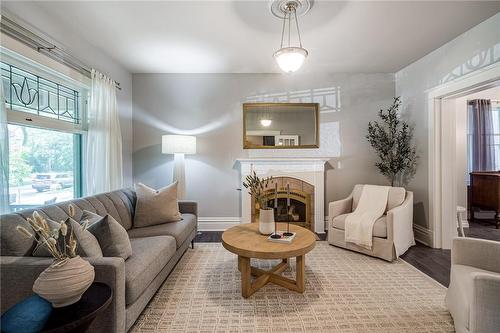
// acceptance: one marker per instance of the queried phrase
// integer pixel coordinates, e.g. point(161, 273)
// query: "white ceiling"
point(241, 36)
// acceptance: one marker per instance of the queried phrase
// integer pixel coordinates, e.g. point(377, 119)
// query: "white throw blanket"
point(371, 206)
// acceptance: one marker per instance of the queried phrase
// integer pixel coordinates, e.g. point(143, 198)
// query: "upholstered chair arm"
point(485, 303)
point(188, 207)
point(400, 225)
point(339, 207)
point(19, 273)
point(479, 253)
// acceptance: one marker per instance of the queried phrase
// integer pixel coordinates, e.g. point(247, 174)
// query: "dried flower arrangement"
point(257, 187)
point(60, 242)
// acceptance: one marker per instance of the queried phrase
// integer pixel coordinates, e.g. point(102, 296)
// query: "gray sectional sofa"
point(155, 251)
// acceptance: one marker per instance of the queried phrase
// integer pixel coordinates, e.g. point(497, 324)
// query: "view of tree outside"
point(41, 164)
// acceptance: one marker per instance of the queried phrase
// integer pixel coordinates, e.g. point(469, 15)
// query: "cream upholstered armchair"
point(473, 297)
point(392, 233)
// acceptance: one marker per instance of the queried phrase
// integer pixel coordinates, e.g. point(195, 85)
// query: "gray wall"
point(69, 37)
point(210, 106)
point(474, 49)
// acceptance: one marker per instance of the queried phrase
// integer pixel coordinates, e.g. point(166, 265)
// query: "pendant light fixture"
point(289, 57)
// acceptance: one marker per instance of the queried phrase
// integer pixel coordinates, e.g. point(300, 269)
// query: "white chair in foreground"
point(473, 297)
point(392, 233)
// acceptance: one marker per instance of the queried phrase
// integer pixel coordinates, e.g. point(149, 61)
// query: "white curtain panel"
point(103, 167)
point(4, 155)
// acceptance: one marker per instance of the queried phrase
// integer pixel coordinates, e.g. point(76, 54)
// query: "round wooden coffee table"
point(246, 241)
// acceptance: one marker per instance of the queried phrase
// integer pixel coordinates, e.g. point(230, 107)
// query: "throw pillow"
point(90, 217)
point(88, 246)
point(156, 206)
point(112, 237)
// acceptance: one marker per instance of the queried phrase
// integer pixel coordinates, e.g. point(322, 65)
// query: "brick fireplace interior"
point(301, 193)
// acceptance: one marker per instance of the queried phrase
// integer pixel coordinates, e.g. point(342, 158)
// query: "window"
point(495, 110)
point(46, 116)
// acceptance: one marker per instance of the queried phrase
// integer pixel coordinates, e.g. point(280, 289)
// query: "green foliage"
point(257, 187)
point(18, 168)
point(392, 141)
point(49, 151)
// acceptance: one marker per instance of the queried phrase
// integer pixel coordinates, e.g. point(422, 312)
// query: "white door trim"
point(442, 192)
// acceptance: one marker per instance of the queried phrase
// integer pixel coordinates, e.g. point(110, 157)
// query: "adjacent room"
point(250, 166)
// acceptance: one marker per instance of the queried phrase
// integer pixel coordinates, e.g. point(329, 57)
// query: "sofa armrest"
point(400, 225)
point(339, 207)
point(485, 303)
point(188, 207)
point(17, 275)
point(479, 253)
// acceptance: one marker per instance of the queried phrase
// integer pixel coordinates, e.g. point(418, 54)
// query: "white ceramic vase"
point(266, 221)
point(63, 284)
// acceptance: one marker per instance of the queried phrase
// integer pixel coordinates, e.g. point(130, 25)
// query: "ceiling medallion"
point(290, 57)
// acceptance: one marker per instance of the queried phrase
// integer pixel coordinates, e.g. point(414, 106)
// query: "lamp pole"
point(180, 175)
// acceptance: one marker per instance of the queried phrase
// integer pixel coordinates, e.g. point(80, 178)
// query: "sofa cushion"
point(88, 246)
point(12, 242)
point(156, 206)
point(379, 228)
point(112, 237)
point(180, 230)
point(149, 256)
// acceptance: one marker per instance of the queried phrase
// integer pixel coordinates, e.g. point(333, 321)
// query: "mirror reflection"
point(280, 125)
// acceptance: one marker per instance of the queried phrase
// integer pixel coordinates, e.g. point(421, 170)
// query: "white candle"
point(276, 195)
point(288, 195)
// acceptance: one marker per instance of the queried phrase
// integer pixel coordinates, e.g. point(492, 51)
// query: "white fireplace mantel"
point(310, 170)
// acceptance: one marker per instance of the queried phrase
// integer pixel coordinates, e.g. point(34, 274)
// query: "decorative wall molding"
point(423, 235)
point(217, 223)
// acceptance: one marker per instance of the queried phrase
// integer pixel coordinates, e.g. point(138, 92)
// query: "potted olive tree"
point(392, 140)
point(256, 188)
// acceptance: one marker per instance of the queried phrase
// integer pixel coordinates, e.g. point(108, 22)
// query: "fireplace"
point(306, 177)
point(301, 194)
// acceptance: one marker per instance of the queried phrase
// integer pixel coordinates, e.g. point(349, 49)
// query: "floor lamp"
point(179, 145)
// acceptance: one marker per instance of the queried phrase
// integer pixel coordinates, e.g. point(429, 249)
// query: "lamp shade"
point(178, 144)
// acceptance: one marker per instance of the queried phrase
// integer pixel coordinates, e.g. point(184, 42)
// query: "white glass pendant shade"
point(290, 59)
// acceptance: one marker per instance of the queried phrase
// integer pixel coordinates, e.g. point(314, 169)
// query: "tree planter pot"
point(266, 221)
point(63, 284)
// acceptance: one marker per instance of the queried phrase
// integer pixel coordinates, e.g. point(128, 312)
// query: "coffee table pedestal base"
point(262, 277)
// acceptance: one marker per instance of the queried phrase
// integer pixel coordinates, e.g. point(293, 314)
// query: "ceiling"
point(241, 36)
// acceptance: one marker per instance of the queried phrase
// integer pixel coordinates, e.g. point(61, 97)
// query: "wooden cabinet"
point(485, 193)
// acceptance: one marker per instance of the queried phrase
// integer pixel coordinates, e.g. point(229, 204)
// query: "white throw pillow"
point(156, 206)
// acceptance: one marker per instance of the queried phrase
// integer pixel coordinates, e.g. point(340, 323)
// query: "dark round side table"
point(34, 314)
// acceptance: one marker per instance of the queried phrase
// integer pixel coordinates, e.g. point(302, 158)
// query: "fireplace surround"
point(306, 178)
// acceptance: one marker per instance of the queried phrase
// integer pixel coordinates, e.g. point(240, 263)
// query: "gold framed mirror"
point(280, 125)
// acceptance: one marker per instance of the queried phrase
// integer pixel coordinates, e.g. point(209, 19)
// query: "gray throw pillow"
point(90, 217)
point(156, 206)
point(88, 246)
point(112, 237)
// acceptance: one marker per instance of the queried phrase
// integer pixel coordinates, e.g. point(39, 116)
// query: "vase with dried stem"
point(257, 188)
point(69, 276)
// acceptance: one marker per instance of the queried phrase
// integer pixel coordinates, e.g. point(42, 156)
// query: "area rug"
point(345, 292)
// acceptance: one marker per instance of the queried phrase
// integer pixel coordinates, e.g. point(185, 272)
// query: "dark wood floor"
point(433, 262)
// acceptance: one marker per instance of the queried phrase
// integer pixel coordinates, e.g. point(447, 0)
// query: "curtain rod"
point(43, 46)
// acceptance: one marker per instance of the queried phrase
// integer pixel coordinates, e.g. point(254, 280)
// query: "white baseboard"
point(423, 235)
point(217, 223)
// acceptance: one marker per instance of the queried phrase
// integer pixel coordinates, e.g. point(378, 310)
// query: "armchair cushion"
point(379, 228)
point(395, 197)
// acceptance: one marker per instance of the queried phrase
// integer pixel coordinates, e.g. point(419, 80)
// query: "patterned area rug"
point(345, 292)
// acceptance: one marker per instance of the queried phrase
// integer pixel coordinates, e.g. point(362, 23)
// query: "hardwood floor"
point(433, 262)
